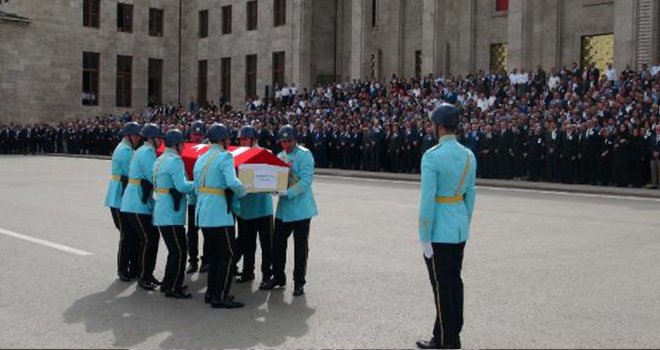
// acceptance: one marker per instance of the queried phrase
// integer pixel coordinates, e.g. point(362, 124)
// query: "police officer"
point(127, 263)
point(214, 174)
point(197, 134)
point(170, 185)
point(255, 217)
point(294, 213)
point(138, 204)
point(446, 205)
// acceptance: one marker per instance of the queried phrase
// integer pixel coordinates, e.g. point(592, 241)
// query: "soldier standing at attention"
point(214, 174)
point(294, 213)
point(127, 263)
point(197, 134)
point(446, 205)
point(138, 204)
point(255, 217)
point(169, 212)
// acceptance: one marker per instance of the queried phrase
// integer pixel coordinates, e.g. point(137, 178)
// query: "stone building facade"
point(62, 59)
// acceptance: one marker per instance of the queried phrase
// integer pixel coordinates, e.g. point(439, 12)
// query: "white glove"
point(427, 247)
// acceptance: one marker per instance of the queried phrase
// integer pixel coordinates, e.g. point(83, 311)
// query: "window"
point(501, 5)
point(418, 64)
point(252, 15)
point(203, 23)
point(202, 79)
point(124, 73)
point(278, 68)
point(90, 79)
point(91, 10)
point(250, 76)
point(374, 13)
point(156, 22)
point(225, 77)
point(498, 57)
point(226, 20)
point(125, 18)
point(279, 12)
point(155, 82)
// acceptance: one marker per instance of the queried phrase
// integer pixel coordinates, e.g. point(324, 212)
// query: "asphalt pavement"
point(542, 270)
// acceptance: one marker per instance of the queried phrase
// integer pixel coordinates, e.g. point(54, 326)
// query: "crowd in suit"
point(571, 125)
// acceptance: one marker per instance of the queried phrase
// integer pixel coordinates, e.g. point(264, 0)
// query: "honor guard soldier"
point(138, 204)
point(446, 205)
point(255, 217)
point(127, 262)
point(294, 213)
point(171, 186)
point(214, 175)
point(197, 135)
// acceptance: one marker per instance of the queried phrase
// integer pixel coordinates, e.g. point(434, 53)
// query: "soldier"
point(255, 217)
point(446, 206)
point(197, 134)
point(170, 185)
point(294, 213)
point(138, 204)
point(127, 262)
point(214, 174)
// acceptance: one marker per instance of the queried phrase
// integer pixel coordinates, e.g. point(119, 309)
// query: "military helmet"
point(174, 137)
point(247, 131)
point(217, 132)
point(198, 127)
point(151, 130)
point(286, 133)
point(446, 115)
point(130, 128)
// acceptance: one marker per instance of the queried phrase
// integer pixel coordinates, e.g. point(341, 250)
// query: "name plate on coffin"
point(260, 178)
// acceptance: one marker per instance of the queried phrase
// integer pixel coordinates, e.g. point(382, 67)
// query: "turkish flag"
point(242, 155)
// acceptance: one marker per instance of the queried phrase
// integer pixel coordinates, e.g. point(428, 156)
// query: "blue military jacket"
point(169, 173)
point(141, 167)
point(121, 160)
point(447, 193)
point(299, 202)
point(214, 172)
point(256, 205)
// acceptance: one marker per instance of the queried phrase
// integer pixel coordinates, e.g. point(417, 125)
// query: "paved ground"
point(542, 270)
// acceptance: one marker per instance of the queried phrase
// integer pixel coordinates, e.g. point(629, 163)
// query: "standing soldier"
point(446, 205)
point(215, 174)
point(170, 185)
point(127, 262)
point(197, 134)
point(294, 213)
point(256, 216)
point(138, 204)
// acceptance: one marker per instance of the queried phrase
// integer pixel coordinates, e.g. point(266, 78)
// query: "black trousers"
point(283, 230)
point(175, 269)
point(247, 244)
point(193, 239)
point(127, 253)
point(221, 261)
point(445, 274)
point(148, 237)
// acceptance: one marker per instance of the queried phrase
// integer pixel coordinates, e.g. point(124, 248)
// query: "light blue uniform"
point(142, 166)
point(299, 202)
point(121, 160)
point(447, 202)
point(169, 173)
point(256, 205)
point(214, 172)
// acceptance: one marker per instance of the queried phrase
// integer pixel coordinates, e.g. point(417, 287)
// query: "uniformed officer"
point(197, 134)
point(138, 204)
point(255, 217)
point(214, 174)
point(294, 213)
point(127, 262)
point(170, 185)
point(446, 206)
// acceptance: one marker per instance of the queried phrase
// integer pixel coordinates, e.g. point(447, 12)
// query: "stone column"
point(357, 39)
point(301, 45)
point(624, 31)
point(520, 34)
point(433, 48)
point(465, 63)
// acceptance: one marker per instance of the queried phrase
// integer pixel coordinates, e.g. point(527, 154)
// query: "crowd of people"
point(571, 125)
